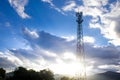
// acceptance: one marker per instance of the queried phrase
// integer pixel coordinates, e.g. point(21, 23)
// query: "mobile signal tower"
point(80, 47)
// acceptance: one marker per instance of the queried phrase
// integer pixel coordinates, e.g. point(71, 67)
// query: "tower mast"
point(80, 47)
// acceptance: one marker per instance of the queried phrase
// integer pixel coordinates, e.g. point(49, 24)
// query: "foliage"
point(2, 74)
point(24, 74)
point(67, 78)
point(21, 73)
point(46, 75)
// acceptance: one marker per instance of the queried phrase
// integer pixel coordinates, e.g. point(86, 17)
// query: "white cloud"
point(18, 58)
point(88, 39)
point(54, 50)
point(53, 6)
point(49, 1)
point(94, 25)
point(90, 11)
point(97, 3)
point(45, 54)
point(19, 6)
point(69, 55)
point(103, 66)
point(110, 21)
point(70, 6)
point(9, 59)
point(109, 67)
point(32, 34)
point(69, 38)
point(116, 42)
point(107, 20)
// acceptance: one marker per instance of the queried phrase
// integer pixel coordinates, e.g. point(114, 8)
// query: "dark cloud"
point(103, 55)
point(49, 42)
point(32, 55)
point(105, 52)
point(117, 28)
point(5, 63)
point(24, 53)
point(49, 48)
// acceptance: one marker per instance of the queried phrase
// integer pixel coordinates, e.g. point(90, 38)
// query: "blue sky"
point(44, 31)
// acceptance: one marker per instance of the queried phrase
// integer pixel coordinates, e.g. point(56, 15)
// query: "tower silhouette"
point(80, 47)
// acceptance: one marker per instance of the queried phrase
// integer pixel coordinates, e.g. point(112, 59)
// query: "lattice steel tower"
point(80, 47)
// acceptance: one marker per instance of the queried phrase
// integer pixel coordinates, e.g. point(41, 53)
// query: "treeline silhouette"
point(2, 74)
point(22, 73)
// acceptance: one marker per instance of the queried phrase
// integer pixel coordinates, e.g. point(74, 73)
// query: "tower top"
point(78, 14)
point(79, 17)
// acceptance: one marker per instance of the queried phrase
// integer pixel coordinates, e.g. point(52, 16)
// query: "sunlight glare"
point(70, 69)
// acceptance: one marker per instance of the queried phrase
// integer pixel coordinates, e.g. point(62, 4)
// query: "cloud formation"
point(88, 39)
point(31, 34)
point(50, 51)
point(97, 3)
point(19, 7)
point(105, 17)
point(53, 6)
point(69, 6)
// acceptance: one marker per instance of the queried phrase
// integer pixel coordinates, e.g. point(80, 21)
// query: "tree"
point(46, 74)
point(19, 74)
point(23, 74)
point(67, 78)
point(2, 73)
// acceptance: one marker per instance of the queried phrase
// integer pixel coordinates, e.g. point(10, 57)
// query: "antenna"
point(78, 9)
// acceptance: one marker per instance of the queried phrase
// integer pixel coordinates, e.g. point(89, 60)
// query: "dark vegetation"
point(21, 73)
point(2, 74)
